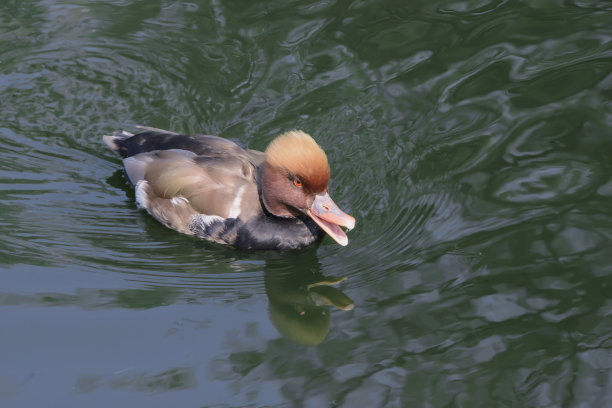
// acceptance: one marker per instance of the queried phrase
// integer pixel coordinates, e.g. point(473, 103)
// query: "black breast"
point(268, 232)
point(261, 232)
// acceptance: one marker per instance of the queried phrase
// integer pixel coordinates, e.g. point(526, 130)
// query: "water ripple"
point(539, 181)
point(470, 139)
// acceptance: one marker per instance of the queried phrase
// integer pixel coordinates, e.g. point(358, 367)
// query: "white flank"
point(234, 211)
point(141, 193)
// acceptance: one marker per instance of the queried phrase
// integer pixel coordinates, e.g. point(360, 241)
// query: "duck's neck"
point(268, 197)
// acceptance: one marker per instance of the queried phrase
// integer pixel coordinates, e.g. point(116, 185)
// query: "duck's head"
point(295, 181)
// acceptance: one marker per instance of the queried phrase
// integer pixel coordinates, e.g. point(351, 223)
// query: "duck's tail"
point(115, 141)
point(118, 140)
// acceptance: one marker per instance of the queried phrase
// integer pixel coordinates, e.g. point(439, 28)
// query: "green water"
point(471, 140)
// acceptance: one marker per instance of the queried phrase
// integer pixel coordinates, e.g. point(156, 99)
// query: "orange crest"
point(298, 153)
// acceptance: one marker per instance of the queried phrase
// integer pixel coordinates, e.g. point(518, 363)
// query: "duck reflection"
point(300, 297)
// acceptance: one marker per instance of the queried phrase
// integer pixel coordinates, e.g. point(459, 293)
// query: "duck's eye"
point(297, 182)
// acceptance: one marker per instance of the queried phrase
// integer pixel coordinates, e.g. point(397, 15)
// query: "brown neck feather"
point(271, 195)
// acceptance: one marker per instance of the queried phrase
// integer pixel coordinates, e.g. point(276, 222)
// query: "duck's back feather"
point(127, 144)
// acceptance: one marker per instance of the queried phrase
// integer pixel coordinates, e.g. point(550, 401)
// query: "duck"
point(211, 188)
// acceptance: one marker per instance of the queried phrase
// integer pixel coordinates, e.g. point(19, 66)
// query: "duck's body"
point(212, 188)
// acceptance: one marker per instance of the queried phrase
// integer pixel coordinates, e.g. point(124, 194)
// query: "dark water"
point(471, 140)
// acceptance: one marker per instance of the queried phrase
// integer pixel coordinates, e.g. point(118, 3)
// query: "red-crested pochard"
point(211, 188)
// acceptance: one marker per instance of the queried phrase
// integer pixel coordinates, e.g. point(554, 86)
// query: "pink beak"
point(330, 218)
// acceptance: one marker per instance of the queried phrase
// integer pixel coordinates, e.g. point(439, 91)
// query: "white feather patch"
point(234, 211)
point(178, 200)
point(141, 193)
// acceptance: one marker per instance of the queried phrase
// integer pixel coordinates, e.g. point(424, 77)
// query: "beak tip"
point(350, 224)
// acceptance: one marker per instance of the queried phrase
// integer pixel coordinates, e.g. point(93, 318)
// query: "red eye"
point(297, 182)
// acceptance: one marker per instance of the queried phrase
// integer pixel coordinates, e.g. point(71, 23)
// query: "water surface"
point(470, 140)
